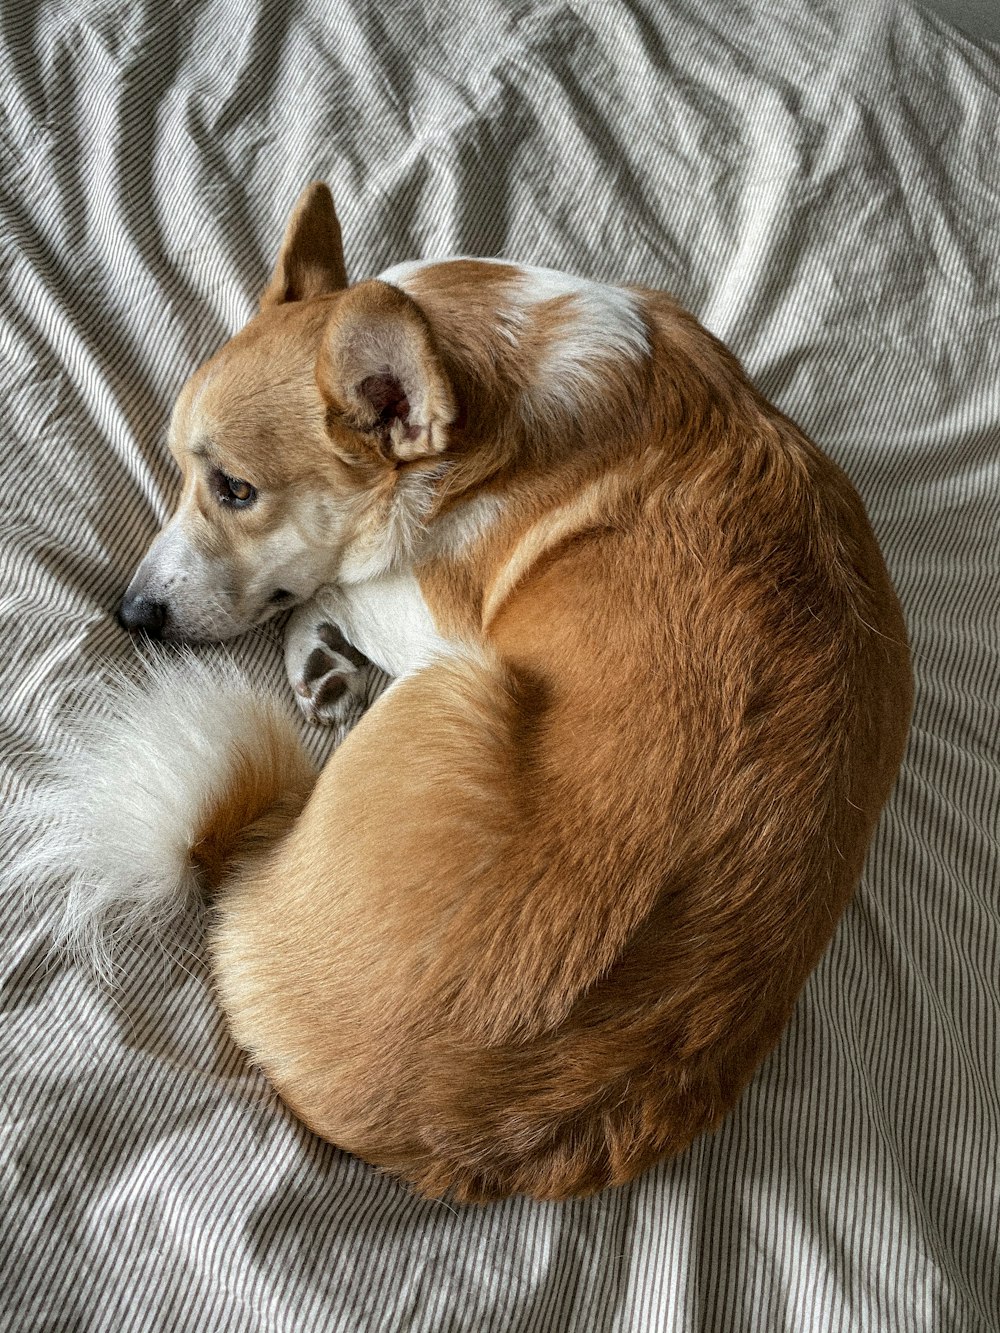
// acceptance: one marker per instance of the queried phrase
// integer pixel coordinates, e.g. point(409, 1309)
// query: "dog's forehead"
point(257, 383)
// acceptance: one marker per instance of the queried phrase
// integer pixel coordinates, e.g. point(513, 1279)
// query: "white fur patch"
point(608, 319)
point(399, 273)
point(112, 830)
point(385, 618)
point(607, 324)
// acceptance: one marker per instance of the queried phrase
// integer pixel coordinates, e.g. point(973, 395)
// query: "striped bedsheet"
point(820, 181)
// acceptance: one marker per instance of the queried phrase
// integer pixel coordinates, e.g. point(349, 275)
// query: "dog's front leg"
point(332, 680)
point(338, 645)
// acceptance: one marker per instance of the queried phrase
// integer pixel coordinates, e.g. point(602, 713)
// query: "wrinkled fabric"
point(818, 181)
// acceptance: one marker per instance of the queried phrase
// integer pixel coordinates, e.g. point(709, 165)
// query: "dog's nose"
point(142, 615)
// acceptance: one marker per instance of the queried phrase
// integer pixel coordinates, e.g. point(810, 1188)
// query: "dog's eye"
point(233, 491)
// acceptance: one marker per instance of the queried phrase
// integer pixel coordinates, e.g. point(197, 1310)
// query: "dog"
point(551, 902)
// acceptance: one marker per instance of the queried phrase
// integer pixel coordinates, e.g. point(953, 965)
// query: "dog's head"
point(306, 445)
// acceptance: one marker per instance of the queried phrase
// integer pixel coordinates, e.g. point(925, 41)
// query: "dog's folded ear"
point(311, 261)
point(380, 372)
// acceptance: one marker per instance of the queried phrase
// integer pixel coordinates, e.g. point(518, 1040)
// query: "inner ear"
point(387, 397)
point(311, 260)
point(379, 369)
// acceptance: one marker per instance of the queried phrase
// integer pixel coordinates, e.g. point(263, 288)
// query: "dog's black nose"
point(141, 615)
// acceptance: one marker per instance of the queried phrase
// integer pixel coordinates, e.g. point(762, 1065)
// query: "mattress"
point(818, 181)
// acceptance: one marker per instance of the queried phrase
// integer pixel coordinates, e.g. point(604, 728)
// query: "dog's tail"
point(182, 775)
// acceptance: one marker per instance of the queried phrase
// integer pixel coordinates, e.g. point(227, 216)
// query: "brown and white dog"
point(551, 902)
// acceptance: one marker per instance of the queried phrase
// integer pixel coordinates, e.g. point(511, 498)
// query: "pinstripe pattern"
point(819, 180)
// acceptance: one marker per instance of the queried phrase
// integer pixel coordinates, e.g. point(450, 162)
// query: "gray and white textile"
point(820, 181)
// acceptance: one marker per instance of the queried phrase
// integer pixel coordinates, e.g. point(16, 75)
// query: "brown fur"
point(548, 907)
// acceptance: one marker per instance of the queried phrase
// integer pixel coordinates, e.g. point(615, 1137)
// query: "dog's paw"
point(329, 676)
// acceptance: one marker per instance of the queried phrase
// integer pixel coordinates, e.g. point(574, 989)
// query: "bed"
point(818, 180)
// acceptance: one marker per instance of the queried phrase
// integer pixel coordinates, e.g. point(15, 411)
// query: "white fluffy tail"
point(166, 782)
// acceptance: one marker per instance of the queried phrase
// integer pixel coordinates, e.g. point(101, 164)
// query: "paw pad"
point(332, 679)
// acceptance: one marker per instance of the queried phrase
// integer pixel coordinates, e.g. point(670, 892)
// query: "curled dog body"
point(552, 900)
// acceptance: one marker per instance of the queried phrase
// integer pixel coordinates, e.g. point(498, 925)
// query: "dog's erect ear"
point(311, 262)
point(380, 370)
